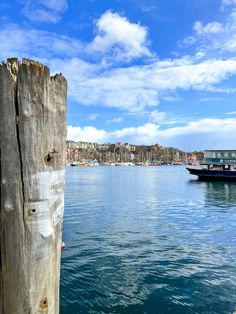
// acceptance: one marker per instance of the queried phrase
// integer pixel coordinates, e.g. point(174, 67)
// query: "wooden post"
point(32, 160)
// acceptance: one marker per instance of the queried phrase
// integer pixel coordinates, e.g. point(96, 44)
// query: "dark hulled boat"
point(217, 165)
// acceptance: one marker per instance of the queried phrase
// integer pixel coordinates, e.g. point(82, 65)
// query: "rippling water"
point(147, 240)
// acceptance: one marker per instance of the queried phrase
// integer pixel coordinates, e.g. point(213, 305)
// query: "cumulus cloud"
point(141, 134)
point(145, 133)
point(119, 37)
point(210, 28)
point(87, 134)
point(202, 134)
point(199, 134)
point(220, 37)
point(157, 116)
point(116, 36)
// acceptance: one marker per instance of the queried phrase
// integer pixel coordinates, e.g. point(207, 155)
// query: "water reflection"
point(221, 194)
point(218, 193)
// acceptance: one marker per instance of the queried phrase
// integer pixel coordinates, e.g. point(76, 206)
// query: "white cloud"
point(135, 88)
point(45, 11)
point(41, 15)
point(146, 133)
point(56, 5)
point(142, 134)
point(205, 133)
point(87, 134)
point(22, 42)
point(211, 99)
point(93, 117)
point(225, 90)
point(172, 122)
point(146, 8)
point(208, 125)
point(115, 120)
point(230, 44)
point(210, 28)
point(228, 2)
point(157, 116)
point(220, 37)
point(231, 113)
point(119, 37)
point(201, 134)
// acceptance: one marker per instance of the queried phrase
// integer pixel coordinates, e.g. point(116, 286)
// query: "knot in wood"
point(43, 303)
point(31, 211)
point(49, 159)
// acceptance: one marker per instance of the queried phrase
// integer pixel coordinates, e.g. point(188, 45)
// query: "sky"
point(138, 71)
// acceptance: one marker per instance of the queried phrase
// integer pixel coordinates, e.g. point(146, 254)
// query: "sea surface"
point(147, 240)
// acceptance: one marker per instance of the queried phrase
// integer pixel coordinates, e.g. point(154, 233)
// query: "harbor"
point(145, 243)
point(117, 157)
point(87, 154)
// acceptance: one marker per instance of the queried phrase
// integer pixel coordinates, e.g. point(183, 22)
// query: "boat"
point(217, 165)
point(74, 163)
point(93, 163)
point(177, 163)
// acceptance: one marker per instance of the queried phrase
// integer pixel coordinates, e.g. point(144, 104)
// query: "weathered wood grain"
point(32, 155)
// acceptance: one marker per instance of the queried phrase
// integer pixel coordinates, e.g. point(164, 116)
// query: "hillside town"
point(120, 153)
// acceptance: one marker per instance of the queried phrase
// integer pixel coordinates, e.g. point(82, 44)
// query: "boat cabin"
point(220, 160)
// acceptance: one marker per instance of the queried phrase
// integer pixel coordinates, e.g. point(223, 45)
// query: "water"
point(147, 240)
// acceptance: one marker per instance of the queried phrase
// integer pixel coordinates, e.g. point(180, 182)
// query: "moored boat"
point(217, 165)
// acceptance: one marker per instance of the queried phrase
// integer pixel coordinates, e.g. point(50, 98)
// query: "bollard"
point(32, 160)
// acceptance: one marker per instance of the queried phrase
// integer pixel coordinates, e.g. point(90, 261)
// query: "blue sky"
point(143, 72)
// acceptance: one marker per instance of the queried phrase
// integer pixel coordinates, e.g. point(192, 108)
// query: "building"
point(220, 156)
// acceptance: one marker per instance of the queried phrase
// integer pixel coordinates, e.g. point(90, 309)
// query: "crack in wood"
point(17, 111)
